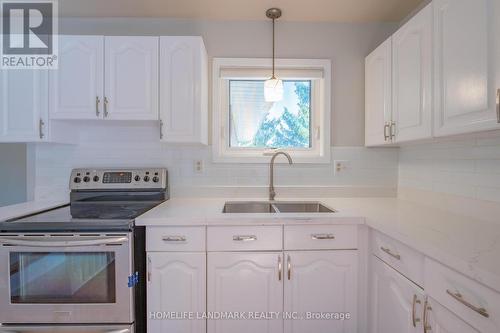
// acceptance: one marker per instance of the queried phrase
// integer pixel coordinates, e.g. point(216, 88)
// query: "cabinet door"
point(183, 90)
point(23, 105)
point(245, 282)
point(319, 282)
point(76, 87)
point(412, 78)
point(396, 303)
point(464, 46)
point(176, 283)
point(131, 78)
point(378, 103)
point(441, 320)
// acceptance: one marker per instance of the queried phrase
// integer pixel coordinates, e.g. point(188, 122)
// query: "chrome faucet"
point(272, 192)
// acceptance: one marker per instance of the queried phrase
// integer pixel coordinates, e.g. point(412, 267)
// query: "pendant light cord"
point(274, 77)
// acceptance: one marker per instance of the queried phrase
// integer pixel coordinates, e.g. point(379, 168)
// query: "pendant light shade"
point(273, 87)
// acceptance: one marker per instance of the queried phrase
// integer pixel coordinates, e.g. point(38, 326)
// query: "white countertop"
point(467, 245)
point(26, 208)
point(470, 246)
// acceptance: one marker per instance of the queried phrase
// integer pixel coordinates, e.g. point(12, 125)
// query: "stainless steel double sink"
point(276, 207)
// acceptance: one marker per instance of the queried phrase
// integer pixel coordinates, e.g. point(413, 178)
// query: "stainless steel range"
point(81, 267)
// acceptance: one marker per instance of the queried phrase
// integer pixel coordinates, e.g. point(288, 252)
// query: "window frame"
point(319, 152)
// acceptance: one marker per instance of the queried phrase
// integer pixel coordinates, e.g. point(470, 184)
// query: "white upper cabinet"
point(396, 303)
point(77, 86)
point(176, 283)
point(465, 47)
point(245, 282)
point(412, 78)
point(131, 78)
point(321, 282)
point(378, 103)
point(183, 90)
point(23, 105)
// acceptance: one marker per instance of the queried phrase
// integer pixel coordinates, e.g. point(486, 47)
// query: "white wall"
point(345, 44)
point(467, 166)
point(12, 173)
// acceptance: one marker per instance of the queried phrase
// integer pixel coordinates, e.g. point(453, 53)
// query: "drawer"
point(245, 238)
point(475, 303)
point(175, 239)
point(402, 258)
point(321, 237)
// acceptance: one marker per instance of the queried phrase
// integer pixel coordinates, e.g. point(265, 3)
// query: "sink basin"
point(275, 207)
point(302, 207)
point(248, 207)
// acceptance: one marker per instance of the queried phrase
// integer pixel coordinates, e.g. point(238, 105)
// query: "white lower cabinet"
point(176, 283)
point(245, 282)
point(441, 320)
point(396, 303)
point(321, 283)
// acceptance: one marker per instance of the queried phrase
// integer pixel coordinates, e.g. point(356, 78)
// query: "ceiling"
point(293, 10)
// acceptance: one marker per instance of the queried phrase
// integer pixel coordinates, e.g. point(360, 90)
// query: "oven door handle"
point(48, 242)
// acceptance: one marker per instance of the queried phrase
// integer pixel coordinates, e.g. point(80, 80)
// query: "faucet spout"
point(272, 192)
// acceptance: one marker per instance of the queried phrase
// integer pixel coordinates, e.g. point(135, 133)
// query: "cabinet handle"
point(161, 129)
point(106, 113)
point(279, 268)
point(97, 101)
point(389, 252)
point(41, 123)
point(386, 131)
point(149, 269)
point(174, 238)
point(498, 106)
point(413, 316)
point(244, 238)
point(458, 297)
point(392, 131)
point(289, 267)
point(322, 236)
point(427, 308)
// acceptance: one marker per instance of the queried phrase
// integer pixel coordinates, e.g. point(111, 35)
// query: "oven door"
point(66, 278)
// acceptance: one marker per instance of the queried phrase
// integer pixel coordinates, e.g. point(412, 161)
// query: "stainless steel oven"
point(66, 278)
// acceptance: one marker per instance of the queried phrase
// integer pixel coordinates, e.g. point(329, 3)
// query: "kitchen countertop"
point(470, 246)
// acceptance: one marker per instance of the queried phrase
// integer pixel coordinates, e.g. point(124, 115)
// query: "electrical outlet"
point(198, 166)
point(341, 166)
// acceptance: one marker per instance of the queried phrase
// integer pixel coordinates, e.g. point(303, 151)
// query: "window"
point(246, 127)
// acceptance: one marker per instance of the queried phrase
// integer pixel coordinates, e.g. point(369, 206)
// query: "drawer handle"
point(174, 238)
point(244, 238)
point(322, 236)
point(458, 297)
point(389, 252)
point(414, 319)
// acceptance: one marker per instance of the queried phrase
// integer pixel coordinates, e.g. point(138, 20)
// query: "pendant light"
point(273, 87)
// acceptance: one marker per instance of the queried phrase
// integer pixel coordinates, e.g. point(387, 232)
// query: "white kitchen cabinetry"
point(248, 282)
point(439, 320)
point(396, 303)
point(412, 78)
point(131, 78)
point(77, 86)
point(321, 282)
point(466, 49)
point(176, 283)
point(378, 102)
point(183, 90)
point(23, 105)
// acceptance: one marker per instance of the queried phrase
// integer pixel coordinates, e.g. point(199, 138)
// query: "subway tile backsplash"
point(468, 166)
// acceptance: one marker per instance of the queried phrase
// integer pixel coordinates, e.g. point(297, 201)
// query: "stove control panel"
point(102, 179)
